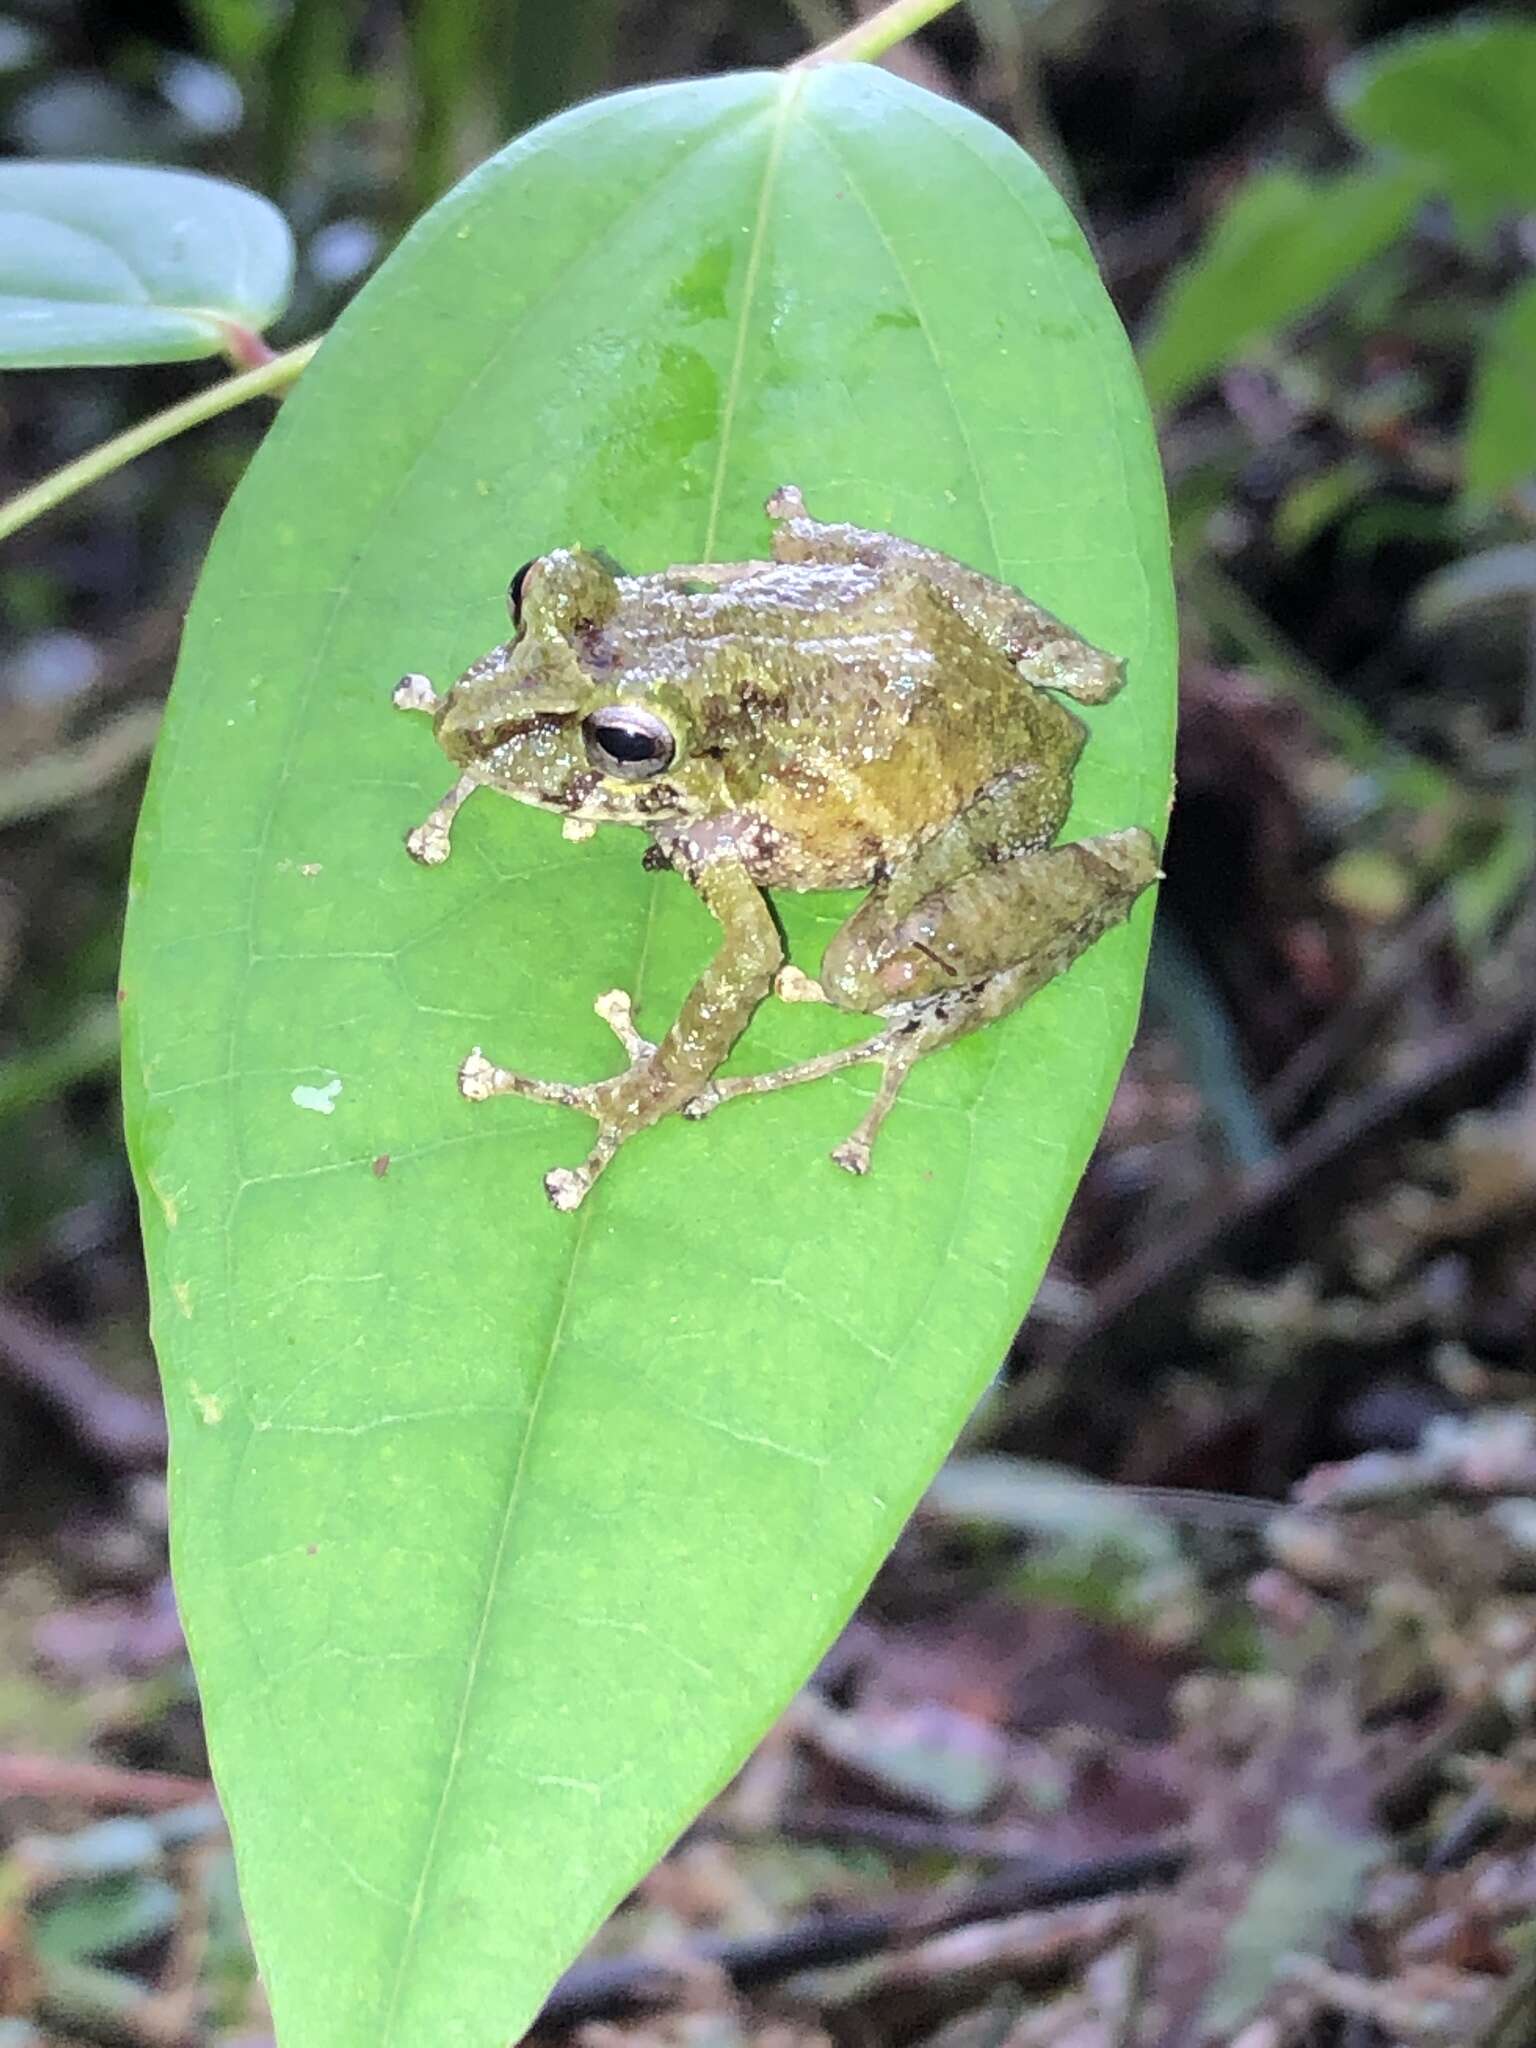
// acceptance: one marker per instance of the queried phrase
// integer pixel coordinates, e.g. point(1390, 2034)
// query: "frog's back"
point(855, 714)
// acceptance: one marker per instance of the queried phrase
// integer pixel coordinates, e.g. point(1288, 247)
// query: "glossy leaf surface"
point(115, 263)
point(501, 1535)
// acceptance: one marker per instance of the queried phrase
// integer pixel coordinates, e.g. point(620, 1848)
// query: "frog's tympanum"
point(858, 712)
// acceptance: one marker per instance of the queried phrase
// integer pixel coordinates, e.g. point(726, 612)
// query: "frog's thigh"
point(1020, 922)
point(1017, 813)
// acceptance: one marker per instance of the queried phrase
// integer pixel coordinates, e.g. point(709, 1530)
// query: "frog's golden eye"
point(627, 741)
point(515, 592)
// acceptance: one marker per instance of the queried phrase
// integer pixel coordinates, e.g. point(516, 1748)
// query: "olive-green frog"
point(857, 712)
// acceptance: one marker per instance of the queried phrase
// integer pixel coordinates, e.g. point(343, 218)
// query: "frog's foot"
point(896, 1050)
point(612, 1103)
point(430, 841)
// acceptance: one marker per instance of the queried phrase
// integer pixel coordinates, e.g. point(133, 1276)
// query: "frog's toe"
point(568, 1187)
point(617, 1011)
point(415, 693)
point(428, 843)
point(793, 985)
point(478, 1077)
point(853, 1155)
point(786, 503)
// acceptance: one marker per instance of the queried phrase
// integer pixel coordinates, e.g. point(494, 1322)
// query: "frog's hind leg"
point(1043, 650)
point(965, 954)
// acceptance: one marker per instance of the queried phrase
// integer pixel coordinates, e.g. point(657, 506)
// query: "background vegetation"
point(1300, 1269)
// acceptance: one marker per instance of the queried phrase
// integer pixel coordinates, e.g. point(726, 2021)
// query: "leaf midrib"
point(554, 1345)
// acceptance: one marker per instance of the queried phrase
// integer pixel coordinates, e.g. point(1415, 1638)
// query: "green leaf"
point(105, 1919)
point(1500, 448)
point(236, 33)
point(502, 1535)
point(112, 263)
point(1283, 244)
point(1460, 102)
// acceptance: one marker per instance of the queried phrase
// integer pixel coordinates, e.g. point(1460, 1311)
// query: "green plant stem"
point(869, 39)
point(260, 382)
point(55, 780)
point(87, 1048)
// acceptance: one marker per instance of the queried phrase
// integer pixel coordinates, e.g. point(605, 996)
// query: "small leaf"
point(95, 1922)
point(114, 263)
point(1283, 244)
point(501, 1535)
point(1460, 102)
point(1499, 453)
point(1501, 579)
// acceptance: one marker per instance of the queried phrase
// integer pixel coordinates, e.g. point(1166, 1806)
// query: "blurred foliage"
point(1283, 243)
point(1460, 101)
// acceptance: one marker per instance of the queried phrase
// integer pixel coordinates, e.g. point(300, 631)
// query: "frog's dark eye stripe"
point(628, 742)
point(515, 593)
point(525, 728)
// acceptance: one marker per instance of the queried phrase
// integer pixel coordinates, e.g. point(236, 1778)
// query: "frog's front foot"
point(430, 842)
point(620, 1106)
point(415, 693)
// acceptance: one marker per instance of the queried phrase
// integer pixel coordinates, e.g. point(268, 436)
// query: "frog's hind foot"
point(568, 1186)
point(896, 1051)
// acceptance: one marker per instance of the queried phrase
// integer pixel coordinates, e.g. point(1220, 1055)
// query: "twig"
point(870, 39)
point(57, 779)
point(1401, 774)
point(897, 1834)
point(1349, 1026)
point(630, 1985)
point(88, 1047)
point(103, 1786)
point(1437, 1082)
point(120, 1428)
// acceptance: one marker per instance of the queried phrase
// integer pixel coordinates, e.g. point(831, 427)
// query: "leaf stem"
point(871, 38)
point(264, 379)
point(246, 349)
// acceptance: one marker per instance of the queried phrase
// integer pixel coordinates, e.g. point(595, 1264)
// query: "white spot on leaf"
point(323, 1100)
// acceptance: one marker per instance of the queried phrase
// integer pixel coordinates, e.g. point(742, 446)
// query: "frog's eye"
point(628, 742)
point(515, 592)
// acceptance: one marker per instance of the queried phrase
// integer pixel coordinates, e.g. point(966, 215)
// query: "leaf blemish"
point(209, 1406)
point(322, 1100)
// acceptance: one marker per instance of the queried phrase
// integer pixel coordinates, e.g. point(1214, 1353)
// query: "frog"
point(856, 711)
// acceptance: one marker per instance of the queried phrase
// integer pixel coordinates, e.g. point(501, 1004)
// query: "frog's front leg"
point(961, 955)
point(1043, 650)
point(666, 1077)
point(430, 841)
